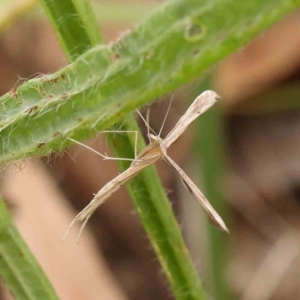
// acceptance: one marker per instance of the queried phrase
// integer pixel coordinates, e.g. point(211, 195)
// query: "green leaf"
point(18, 267)
point(175, 44)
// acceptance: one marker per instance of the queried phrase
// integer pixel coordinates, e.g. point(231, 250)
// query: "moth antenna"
point(148, 123)
point(81, 229)
point(145, 122)
point(69, 228)
point(165, 118)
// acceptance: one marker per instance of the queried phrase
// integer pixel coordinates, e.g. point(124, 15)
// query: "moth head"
point(154, 138)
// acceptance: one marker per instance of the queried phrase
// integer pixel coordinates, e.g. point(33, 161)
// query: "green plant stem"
point(18, 267)
point(146, 191)
point(210, 147)
point(89, 21)
point(72, 44)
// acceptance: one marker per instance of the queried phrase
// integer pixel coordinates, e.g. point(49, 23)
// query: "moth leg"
point(104, 156)
point(146, 122)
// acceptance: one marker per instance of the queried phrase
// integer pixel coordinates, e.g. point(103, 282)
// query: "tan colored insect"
point(156, 150)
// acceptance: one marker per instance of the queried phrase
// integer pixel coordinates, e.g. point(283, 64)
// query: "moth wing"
point(213, 216)
point(112, 186)
point(200, 105)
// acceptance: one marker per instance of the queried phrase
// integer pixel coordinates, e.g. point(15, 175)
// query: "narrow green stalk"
point(89, 21)
point(211, 136)
point(18, 267)
point(72, 44)
point(210, 149)
point(147, 193)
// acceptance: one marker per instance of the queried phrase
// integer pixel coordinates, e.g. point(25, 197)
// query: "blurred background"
point(244, 154)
